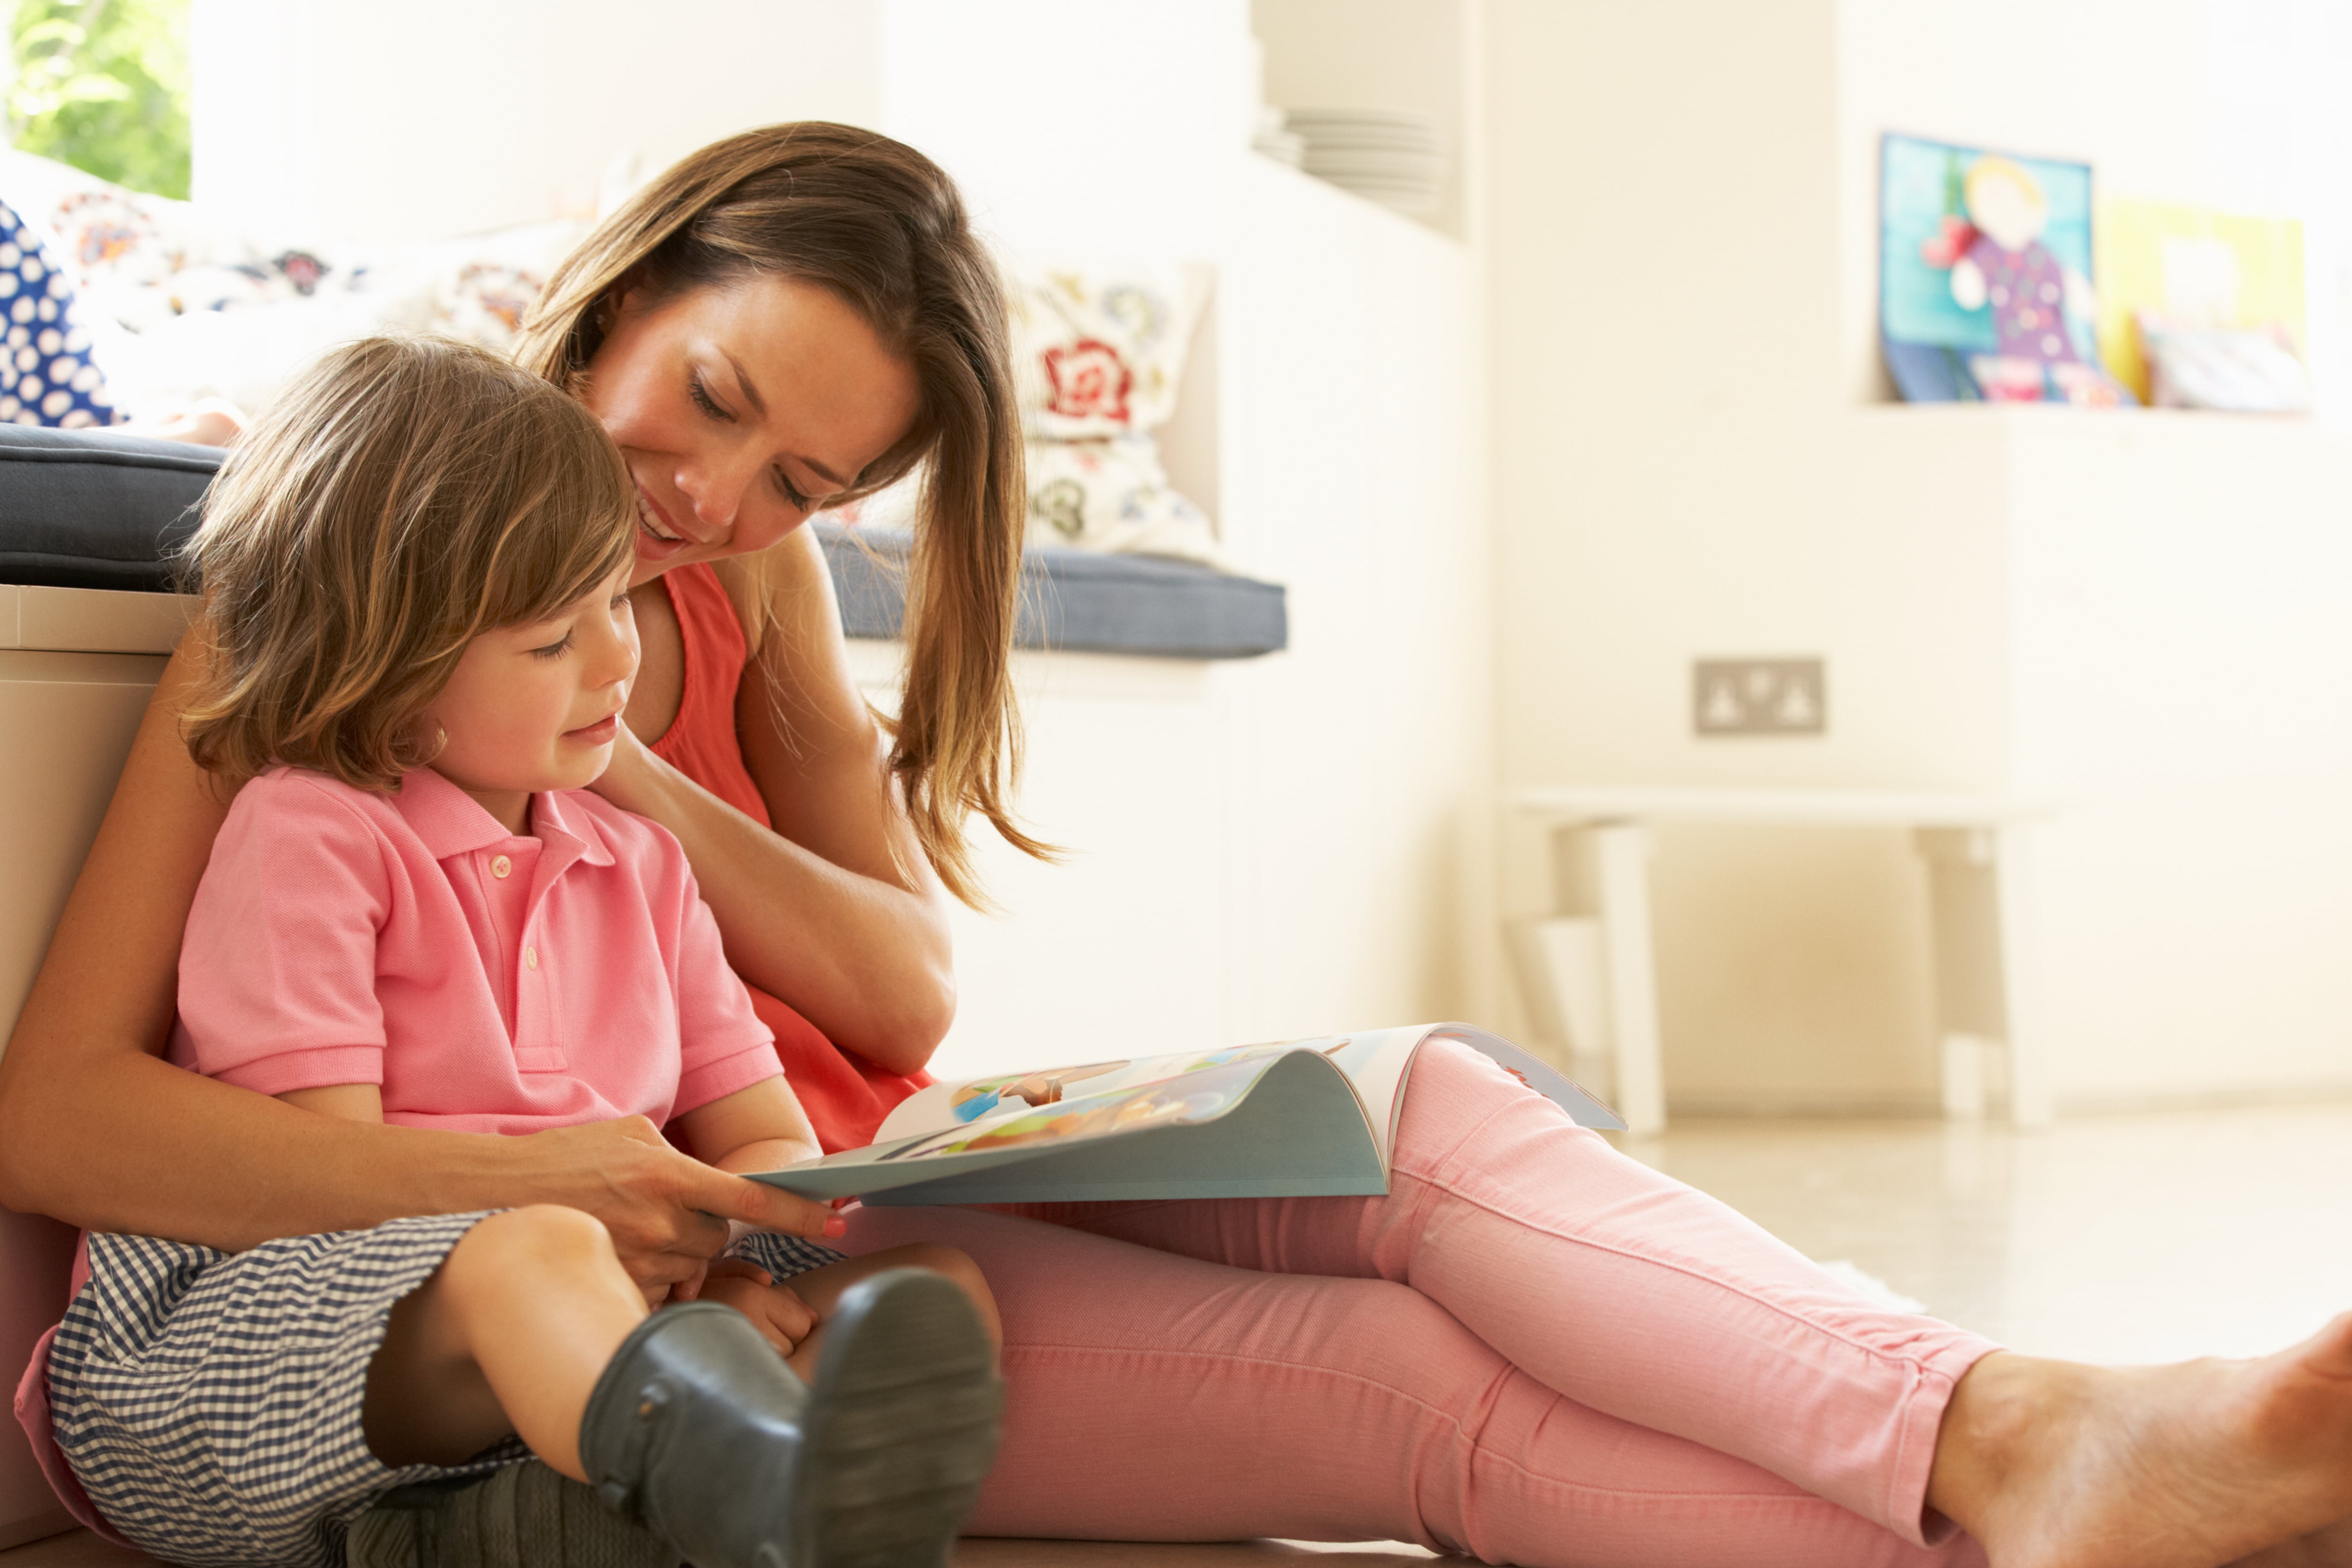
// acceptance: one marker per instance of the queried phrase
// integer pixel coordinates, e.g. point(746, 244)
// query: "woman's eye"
point(553, 649)
point(702, 398)
point(799, 502)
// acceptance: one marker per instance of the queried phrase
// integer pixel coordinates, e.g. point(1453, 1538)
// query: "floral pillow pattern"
point(46, 374)
point(1112, 495)
point(1098, 356)
point(1100, 351)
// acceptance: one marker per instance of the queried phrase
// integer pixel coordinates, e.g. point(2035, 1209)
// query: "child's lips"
point(605, 729)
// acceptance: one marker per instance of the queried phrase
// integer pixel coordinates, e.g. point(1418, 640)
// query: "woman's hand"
point(668, 1212)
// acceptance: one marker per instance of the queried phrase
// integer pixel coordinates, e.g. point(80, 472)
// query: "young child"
point(414, 574)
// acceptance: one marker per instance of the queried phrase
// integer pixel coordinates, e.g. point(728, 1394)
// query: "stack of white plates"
point(1276, 141)
point(1392, 157)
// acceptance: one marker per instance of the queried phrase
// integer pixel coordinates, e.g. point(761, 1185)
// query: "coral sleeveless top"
point(845, 1095)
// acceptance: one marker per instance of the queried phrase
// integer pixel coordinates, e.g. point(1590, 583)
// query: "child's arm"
point(760, 1127)
point(350, 1101)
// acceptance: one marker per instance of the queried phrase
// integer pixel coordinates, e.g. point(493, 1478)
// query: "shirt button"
point(501, 866)
point(531, 958)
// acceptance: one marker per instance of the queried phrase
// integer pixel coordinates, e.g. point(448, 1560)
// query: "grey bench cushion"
point(83, 508)
point(1079, 600)
point(89, 509)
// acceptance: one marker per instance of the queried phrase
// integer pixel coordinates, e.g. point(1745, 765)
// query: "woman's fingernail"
point(837, 1225)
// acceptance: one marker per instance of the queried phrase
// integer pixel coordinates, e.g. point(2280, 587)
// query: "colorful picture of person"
point(1178, 1100)
point(1985, 277)
point(986, 1097)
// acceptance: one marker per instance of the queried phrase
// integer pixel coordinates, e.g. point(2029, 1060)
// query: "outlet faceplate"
point(1759, 697)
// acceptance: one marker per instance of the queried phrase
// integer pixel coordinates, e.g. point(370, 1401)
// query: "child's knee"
point(542, 1236)
point(958, 1267)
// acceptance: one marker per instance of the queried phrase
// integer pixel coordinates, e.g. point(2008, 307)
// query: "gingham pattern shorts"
point(211, 1402)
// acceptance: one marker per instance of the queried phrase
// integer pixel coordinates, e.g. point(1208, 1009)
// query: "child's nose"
point(615, 657)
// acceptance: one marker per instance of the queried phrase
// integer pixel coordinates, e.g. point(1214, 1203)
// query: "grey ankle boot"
point(700, 1433)
point(525, 1516)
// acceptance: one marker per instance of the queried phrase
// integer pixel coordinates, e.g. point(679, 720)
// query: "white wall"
point(1689, 464)
point(360, 119)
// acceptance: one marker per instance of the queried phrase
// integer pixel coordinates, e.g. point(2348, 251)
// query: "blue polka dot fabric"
point(46, 376)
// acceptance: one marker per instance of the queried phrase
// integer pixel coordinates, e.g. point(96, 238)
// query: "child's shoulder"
point(282, 792)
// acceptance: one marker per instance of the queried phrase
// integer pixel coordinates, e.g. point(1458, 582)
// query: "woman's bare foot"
point(2053, 1465)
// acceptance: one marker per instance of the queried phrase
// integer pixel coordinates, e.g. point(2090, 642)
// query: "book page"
point(945, 1107)
point(1375, 1062)
point(1317, 1108)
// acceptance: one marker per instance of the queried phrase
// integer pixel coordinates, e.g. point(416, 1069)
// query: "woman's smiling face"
point(741, 409)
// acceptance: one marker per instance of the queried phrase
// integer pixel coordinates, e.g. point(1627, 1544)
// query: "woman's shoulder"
point(784, 589)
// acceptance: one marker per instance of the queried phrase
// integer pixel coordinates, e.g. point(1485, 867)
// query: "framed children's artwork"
point(1984, 277)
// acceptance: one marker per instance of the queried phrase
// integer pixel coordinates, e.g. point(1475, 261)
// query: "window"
point(103, 85)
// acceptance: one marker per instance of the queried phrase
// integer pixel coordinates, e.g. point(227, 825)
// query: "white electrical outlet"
point(1759, 697)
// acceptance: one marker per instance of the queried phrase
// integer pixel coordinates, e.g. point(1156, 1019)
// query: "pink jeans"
point(1533, 1351)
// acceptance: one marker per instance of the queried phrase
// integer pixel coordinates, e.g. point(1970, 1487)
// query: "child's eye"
point(703, 400)
point(554, 649)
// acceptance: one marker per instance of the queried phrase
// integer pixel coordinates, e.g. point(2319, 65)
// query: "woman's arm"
point(97, 1131)
point(835, 910)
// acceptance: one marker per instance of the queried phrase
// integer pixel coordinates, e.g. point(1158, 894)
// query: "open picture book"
point(1299, 1118)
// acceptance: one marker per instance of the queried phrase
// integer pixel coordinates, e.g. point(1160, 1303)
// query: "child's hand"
point(775, 1310)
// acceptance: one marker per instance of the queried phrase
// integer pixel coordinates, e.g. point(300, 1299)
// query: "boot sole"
point(524, 1516)
point(902, 1428)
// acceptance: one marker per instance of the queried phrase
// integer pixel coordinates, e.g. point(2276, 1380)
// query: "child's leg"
point(507, 1338)
point(821, 1289)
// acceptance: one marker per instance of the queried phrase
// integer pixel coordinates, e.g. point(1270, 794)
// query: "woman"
point(1532, 1350)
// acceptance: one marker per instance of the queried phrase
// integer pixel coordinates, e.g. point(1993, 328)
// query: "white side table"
point(1977, 849)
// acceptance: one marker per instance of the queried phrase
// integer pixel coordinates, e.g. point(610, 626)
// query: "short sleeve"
point(724, 1046)
point(277, 968)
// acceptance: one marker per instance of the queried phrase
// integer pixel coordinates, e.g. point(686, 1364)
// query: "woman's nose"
point(716, 487)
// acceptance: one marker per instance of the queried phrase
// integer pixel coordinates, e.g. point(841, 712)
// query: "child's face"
point(537, 707)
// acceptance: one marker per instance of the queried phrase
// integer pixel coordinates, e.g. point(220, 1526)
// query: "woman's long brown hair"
point(884, 228)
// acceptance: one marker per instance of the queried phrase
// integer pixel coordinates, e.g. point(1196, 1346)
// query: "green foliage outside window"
point(103, 85)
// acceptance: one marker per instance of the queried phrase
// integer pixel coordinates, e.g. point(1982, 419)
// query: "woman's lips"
point(657, 539)
point(607, 729)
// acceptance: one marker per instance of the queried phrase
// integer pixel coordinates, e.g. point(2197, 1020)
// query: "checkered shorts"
point(210, 1403)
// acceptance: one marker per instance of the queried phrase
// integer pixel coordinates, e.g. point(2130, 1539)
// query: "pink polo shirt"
point(487, 983)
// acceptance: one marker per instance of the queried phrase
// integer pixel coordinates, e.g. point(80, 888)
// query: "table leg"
point(2029, 1065)
point(1609, 878)
point(1984, 974)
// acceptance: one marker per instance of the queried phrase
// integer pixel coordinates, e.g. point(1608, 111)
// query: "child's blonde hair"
point(400, 498)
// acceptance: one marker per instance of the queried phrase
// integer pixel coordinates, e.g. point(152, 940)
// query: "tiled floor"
point(2112, 1238)
point(2121, 1238)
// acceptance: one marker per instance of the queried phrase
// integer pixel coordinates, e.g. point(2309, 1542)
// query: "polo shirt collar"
point(451, 822)
point(557, 815)
point(447, 818)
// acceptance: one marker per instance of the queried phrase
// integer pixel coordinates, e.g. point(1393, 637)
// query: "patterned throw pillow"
point(1099, 354)
point(46, 375)
point(1099, 349)
point(1112, 495)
